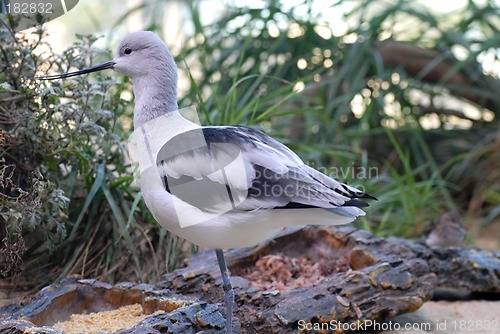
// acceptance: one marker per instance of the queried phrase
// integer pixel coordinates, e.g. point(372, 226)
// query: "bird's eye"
point(127, 51)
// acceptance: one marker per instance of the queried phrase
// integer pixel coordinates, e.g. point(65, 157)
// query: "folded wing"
point(234, 167)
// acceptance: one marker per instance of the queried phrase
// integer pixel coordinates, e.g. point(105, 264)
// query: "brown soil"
point(450, 317)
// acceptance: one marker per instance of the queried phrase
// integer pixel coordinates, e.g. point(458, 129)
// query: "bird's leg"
point(228, 289)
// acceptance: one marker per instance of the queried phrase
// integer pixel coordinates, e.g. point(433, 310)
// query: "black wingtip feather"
point(355, 202)
point(365, 195)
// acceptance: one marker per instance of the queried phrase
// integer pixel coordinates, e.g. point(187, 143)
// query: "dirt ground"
point(7, 296)
point(450, 317)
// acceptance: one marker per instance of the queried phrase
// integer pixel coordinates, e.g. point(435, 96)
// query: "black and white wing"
point(212, 168)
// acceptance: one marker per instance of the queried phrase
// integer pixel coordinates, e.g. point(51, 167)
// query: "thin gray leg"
point(228, 289)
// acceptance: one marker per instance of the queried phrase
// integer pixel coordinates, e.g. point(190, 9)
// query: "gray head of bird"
point(145, 58)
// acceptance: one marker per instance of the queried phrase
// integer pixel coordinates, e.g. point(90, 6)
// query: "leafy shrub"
point(65, 182)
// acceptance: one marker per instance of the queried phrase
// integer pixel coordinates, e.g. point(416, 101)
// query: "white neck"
point(155, 94)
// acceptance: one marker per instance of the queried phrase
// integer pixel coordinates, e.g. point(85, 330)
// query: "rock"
point(385, 279)
point(469, 269)
point(58, 302)
point(359, 279)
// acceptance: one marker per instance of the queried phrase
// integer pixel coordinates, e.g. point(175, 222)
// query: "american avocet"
point(218, 186)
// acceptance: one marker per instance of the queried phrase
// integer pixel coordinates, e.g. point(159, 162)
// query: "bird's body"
point(284, 193)
point(271, 185)
point(218, 187)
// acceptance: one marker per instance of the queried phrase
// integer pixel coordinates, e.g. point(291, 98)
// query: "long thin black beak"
point(105, 66)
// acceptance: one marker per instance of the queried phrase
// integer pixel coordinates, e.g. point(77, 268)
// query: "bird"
point(445, 231)
point(219, 187)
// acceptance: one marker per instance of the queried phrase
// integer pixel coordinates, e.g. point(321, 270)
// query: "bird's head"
point(145, 58)
point(140, 54)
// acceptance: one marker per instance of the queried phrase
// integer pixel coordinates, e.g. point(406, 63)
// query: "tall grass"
point(359, 108)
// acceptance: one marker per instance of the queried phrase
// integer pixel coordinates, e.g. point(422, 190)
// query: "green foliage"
point(65, 181)
point(28, 200)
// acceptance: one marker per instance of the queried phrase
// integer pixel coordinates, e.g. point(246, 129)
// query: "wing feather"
point(211, 165)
